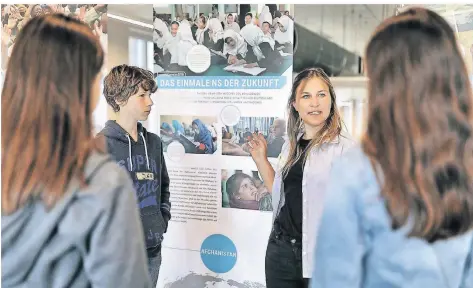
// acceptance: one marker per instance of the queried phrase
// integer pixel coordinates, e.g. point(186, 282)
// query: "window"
point(140, 53)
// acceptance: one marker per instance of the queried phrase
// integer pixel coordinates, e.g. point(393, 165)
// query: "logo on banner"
point(218, 253)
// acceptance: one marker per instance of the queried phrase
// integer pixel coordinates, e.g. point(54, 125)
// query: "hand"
point(258, 148)
point(240, 62)
point(97, 30)
point(232, 59)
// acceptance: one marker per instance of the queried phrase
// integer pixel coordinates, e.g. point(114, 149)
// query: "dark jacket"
point(150, 177)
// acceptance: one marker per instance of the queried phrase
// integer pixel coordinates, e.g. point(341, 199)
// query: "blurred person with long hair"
point(399, 210)
point(301, 175)
point(69, 217)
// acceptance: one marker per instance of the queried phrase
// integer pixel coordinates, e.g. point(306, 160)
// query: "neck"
point(129, 125)
point(310, 131)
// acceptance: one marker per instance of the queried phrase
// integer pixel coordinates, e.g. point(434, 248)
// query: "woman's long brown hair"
point(46, 109)
point(419, 135)
point(329, 132)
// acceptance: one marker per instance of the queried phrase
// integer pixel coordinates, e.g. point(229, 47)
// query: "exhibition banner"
point(222, 75)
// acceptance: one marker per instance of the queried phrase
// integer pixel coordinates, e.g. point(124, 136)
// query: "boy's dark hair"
point(249, 14)
point(124, 81)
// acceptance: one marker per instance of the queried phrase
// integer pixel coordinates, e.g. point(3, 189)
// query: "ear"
point(294, 105)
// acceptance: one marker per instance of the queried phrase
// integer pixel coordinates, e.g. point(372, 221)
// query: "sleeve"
point(219, 45)
point(340, 247)
point(467, 280)
point(165, 194)
point(117, 243)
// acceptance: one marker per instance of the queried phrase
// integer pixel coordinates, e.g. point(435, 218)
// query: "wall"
point(123, 51)
point(349, 26)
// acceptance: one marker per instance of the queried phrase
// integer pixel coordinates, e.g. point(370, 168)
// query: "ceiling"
point(138, 12)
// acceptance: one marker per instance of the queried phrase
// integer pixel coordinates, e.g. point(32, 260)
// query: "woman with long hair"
point(69, 216)
point(298, 183)
point(399, 210)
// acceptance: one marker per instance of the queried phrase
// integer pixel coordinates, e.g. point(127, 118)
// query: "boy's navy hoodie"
point(144, 161)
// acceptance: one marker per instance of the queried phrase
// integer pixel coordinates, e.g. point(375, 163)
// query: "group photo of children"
point(198, 135)
point(15, 17)
point(242, 39)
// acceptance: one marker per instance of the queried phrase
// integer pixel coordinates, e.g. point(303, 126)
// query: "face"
point(279, 128)
point(174, 28)
point(230, 19)
point(138, 105)
point(196, 128)
point(286, 13)
point(313, 102)
point(248, 19)
point(200, 24)
point(231, 42)
point(281, 27)
point(266, 28)
point(247, 190)
point(22, 10)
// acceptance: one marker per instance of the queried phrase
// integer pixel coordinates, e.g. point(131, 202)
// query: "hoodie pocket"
point(153, 228)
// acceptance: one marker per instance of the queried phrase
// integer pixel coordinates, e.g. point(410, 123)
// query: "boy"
point(127, 90)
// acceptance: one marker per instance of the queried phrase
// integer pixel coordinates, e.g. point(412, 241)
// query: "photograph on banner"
point(15, 16)
point(222, 39)
point(243, 189)
point(464, 23)
point(198, 135)
point(235, 138)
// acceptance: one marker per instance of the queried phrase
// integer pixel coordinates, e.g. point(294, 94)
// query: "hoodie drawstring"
point(129, 152)
point(146, 149)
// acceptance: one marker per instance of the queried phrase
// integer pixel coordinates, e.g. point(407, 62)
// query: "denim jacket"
point(356, 247)
point(314, 181)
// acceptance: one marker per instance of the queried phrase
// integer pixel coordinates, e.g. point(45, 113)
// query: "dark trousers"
point(283, 262)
